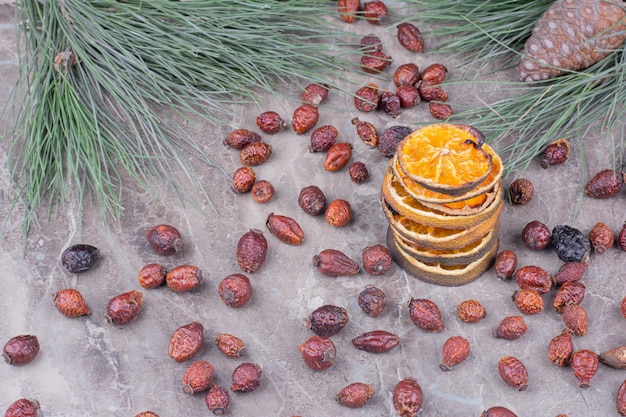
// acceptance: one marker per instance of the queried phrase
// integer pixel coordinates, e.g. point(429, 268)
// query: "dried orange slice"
point(445, 158)
point(397, 197)
point(436, 273)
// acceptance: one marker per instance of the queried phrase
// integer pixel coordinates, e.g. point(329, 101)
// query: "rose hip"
point(371, 43)
point(410, 37)
point(440, 111)
point(568, 293)
point(521, 191)
point(251, 250)
point(184, 278)
point(348, 9)
point(246, 377)
point(560, 348)
point(620, 402)
point(217, 400)
point(407, 397)
point(374, 11)
point(304, 118)
point(270, 122)
point(358, 172)
point(575, 319)
point(164, 239)
point(498, 411)
point(390, 103)
point(197, 377)
point(239, 138)
point(584, 364)
point(285, 229)
point(376, 260)
point(338, 213)
point(22, 408)
point(328, 320)
point(312, 200)
point(80, 257)
point(372, 301)
point(243, 179)
point(528, 301)
point(505, 264)
point(366, 131)
point(255, 153)
point(409, 96)
point(455, 350)
point(314, 94)
point(536, 235)
point(570, 272)
point(338, 156)
point(534, 278)
point(470, 311)
point(615, 358)
point(323, 138)
point(151, 275)
point(434, 73)
point(186, 342)
point(230, 345)
point(366, 98)
point(430, 91)
point(376, 341)
point(70, 303)
point(147, 414)
point(601, 237)
point(20, 350)
point(510, 328)
point(262, 191)
point(318, 352)
point(425, 314)
point(375, 62)
point(555, 153)
point(406, 74)
point(389, 139)
point(235, 290)
point(123, 308)
point(513, 372)
point(334, 263)
point(355, 395)
point(605, 184)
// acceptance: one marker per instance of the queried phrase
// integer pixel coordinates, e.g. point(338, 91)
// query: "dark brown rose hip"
point(584, 364)
point(372, 301)
point(355, 395)
point(358, 172)
point(425, 314)
point(570, 272)
point(389, 139)
point(407, 397)
point(410, 37)
point(230, 345)
point(304, 118)
point(246, 377)
point(197, 377)
point(70, 303)
point(406, 74)
point(251, 251)
point(338, 156)
point(409, 96)
point(366, 131)
point(510, 328)
point(390, 103)
point(348, 9)
point(376, 341)
point(255, 153)
point(312, 200)
point(555, 153)
point(440, 111)
point(243, 179)
point(217, 400)
point(123, 308)
point(79, 258)
point(239, 138)
point(328, 320)
point(270, 122)
point(371, 43)
point(285, 229)
point(434, 73)
point(22, 408)
point(235, 290)
point(366, 98)
point(568, 293)
point(186, 342)
point(521, 191)
point(533, 277)
point(536, 235)
point(376, 260)
point(151, 275)
point(338, 213)
point(375, 62)
point(470, 311)
point(455, 350)
point(513, 372)
point(575, 319)
point(430, 91)
point(560, 348)
point(262, 191)
point(605, 184)
point(506, 264)
point(334, 263)
point(323, 138)
point(314, 94)
point(20, 350)
point(164, 239)
point(318, 352)
point(184, 278)
point(601, 237)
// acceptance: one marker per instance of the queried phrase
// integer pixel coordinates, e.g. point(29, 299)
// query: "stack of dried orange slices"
point(443, 196)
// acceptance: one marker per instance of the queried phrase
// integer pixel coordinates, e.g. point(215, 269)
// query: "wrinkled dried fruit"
point(312, 200)
point(338, 156)
point(389, 139)
point(374, 11)
point(243, 179)
point(528, 301)
point(376, 260)
point(197, 377)
point(366, 132)
point(123, 308)
point(304, 118)
point(601, 237)
point(407, 397)
point(620, 402)
point(376, 341)
point(440, 111)
point(570, 244)
point(358, 172)
point(70, 303)
point(285, 229)
point(147, 414)
point(560, 348)
point(235, 290)
point(183, 278)
point(334, 263)
point(390, 103)
point(622, 307)
point(22, 408)
point(513, 372)
point(20, 350)
point(375, 62)
point(506, 264)
point(151, 275)
point(621, 238)
point(372, 301)
point(430, 91)
point(425, 314)
point(570, 272)
point(371, 43)
point(584, 364)
point(355, 395)
point(328, 320)
point(366, 98)
point(406, 74)
point(534, 278)
point(470, 311)
point(230, 345)
point(575, 319)
point(348, 9)
point(338, 213)
point(262, 191)
point(521, 191)
point(568, 293)
point(164, 239)
point(455, 350)
point(605, 184)
point(318, 352)
point(270, 122)
point(555, 153)
point(246, 377)
point(410, 37)
point(314, 93)
point(239, 138)
point(323, 138)
point(434, 73)
point(217, 400)
point(255, 153)
point(186, 341)
point(498, 411)
point(510, 328)
point(536, 235)
point(615, 358)
point(251, 250)
point(79, 258)
point(409, 96)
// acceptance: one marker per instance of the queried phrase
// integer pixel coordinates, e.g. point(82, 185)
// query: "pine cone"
point(572, 35)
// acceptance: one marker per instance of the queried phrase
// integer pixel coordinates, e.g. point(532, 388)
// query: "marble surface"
point(91, 368)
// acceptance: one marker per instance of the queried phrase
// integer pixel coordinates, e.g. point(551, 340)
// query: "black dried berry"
point(570, 244)
point(79, 258)
point(388, 141)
